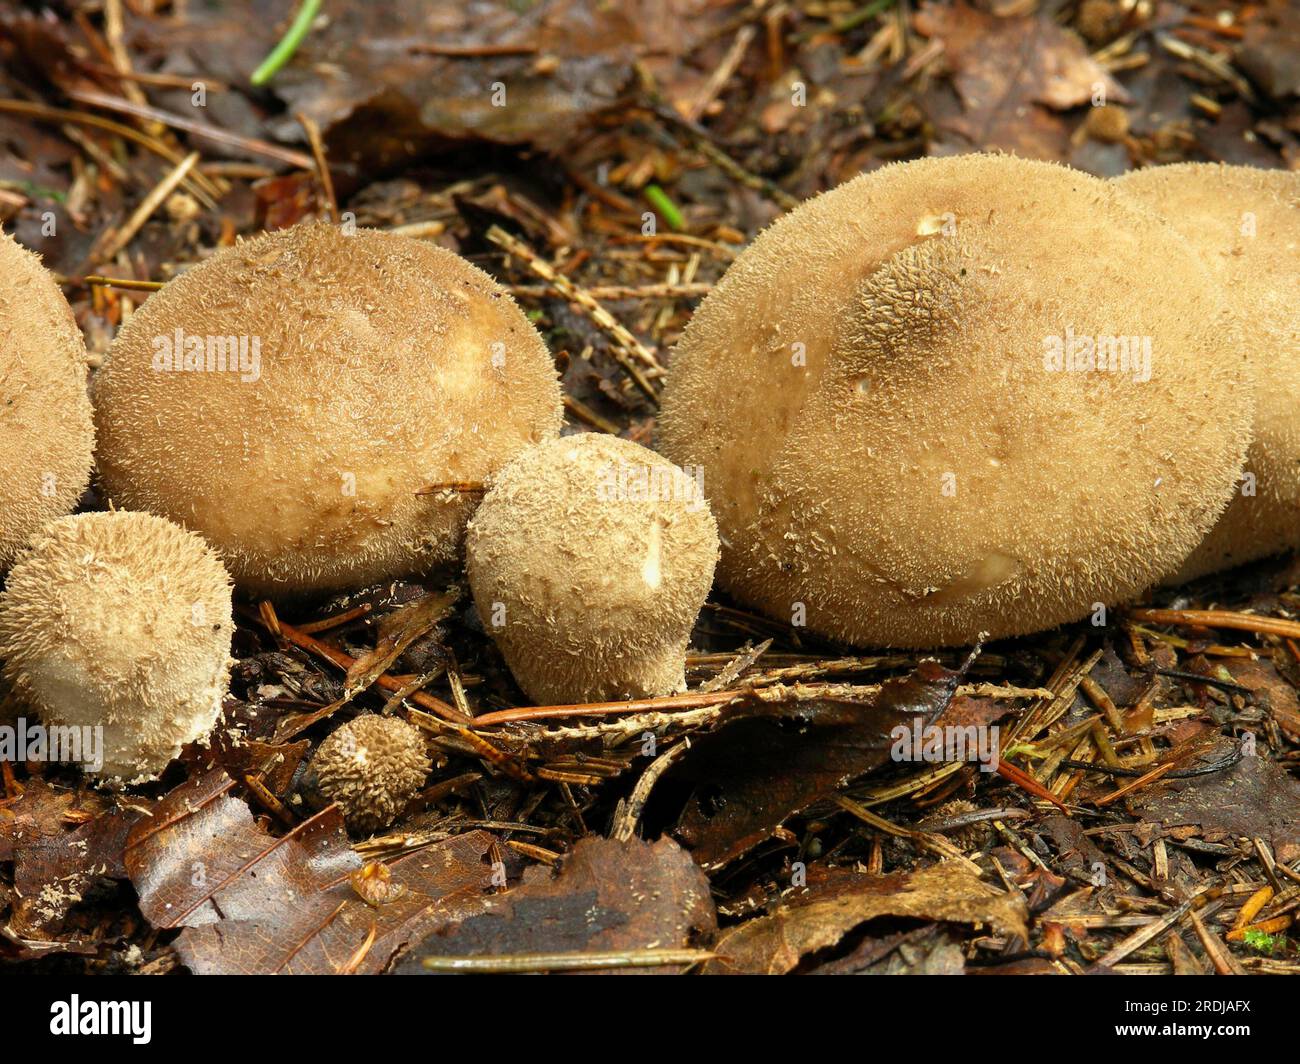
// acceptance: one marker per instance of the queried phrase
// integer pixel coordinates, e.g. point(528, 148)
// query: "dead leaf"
point(1255, 798)
point(820, 918)
point(252, 903)
point(1011, 75)
point(608, 896)
point(769, 760)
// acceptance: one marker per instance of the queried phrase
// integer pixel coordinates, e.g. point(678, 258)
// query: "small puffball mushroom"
point(120, 620)
point(1245, 225)
point(293, 397)
point(959, 395)
point(46, 433)
point(589, 560)
point(372, 766)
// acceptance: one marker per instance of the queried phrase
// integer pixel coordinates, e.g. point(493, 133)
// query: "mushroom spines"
point(46, 431)
point(372, 767)
point(120, 620)
point(900, 443)
point(367, 368)
point(589, 560)
point(1245, 225)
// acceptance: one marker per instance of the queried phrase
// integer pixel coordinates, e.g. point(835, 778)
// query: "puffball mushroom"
point(959, 395)
point(290, 397)
point(589, 560)
point(120, 620)
point(1245, 225)
point(372, 766)
point(46, 433)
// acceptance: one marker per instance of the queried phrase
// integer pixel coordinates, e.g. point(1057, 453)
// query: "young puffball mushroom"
point(121, 620)
point(589, 560)
point(46, 432)
point(1245, 225)
point(372, 766)
point(292, 397)
point(959, 395)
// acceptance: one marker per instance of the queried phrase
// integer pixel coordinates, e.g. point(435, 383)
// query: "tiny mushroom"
point(372, 767)
point(589, 560)
point(947, 398)
point(46, 432)
point(304, 398)
point(1245, 225)
point(118, 626)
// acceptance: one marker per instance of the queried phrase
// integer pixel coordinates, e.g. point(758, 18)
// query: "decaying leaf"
point(819, 918)
point(608, 896)
point(774, 758)
point(1255, 798)
point(252, 903)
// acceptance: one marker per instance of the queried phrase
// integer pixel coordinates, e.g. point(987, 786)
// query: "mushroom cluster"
point(46, 432)
point(944, 400)
point(293, 397)
point(121, 622)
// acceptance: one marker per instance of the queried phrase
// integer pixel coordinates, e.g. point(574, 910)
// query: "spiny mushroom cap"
point(386, 365)
point(1245, 226)
point(589, 560)
point(121, 620)
point(892, 453)
point(47, 436)
point(372, 766)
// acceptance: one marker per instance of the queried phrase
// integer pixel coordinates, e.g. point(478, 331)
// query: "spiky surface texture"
point(589, 560)
point(121, 620)
point(47, 437)
point(387, 365)
point(372, 766)
point(885, 446)
point(1245, 225)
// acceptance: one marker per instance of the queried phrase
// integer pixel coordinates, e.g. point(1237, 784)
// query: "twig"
point(625, 343)
point(1241, 622)
point(122, 282)
point(568, 962)
point(113, 242)
point(322, 167)
point(214, 134)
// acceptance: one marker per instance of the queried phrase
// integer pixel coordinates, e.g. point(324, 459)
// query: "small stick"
point(1141, 781)
point(568, 962)
point(322, 167)
point(624, 342)
point(616, 291)
point(585, 414)
point(1241, 622)
point(115, 242)
point(122, 282)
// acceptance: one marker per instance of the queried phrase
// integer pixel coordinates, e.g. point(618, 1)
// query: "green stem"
point(659, 201)
point(283, 51)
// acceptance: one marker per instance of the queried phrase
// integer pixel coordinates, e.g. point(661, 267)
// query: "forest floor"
point(607, 162)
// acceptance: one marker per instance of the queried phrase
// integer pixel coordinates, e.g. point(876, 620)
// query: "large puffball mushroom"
point(1245, 225)
point(372, 766)
point(958, 396)
point(46, 433)
point(120, 620)
point(292, 396)
point(589, 560)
